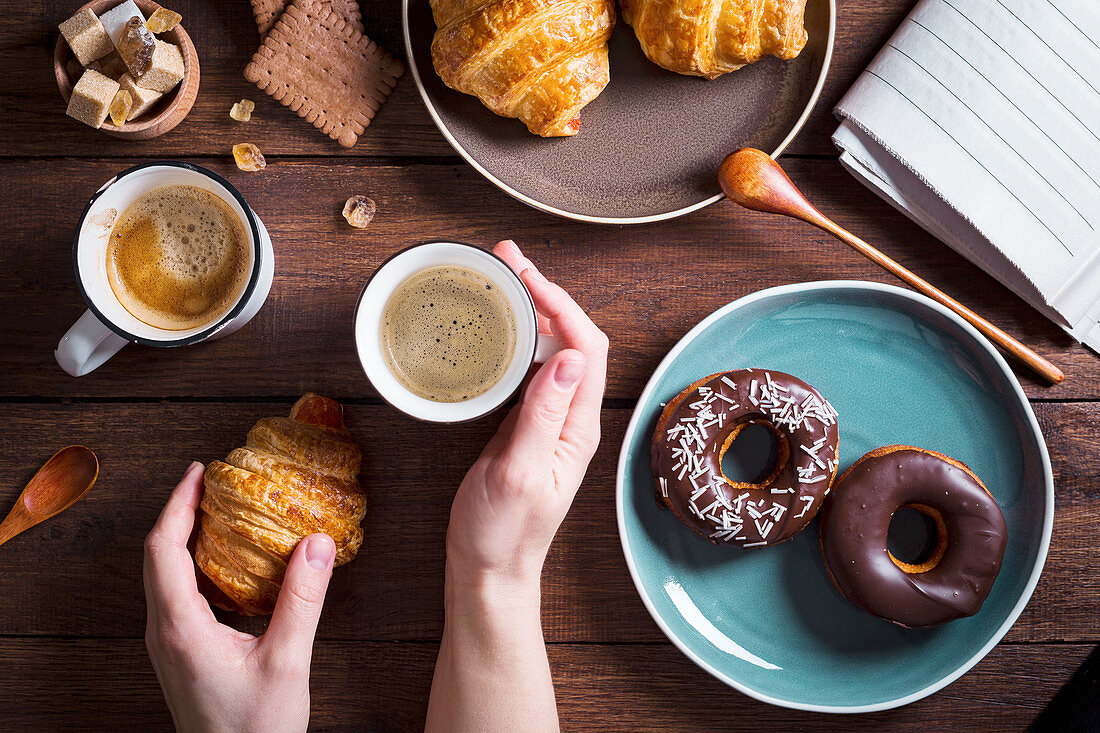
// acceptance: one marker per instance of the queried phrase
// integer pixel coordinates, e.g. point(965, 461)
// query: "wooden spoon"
point(58, 485)
point(751, 178)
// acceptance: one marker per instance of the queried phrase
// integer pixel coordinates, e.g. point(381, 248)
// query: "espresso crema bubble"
point(178, 258)
point(448, 334)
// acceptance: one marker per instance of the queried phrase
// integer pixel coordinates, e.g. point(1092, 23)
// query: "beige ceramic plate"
point(649, 145)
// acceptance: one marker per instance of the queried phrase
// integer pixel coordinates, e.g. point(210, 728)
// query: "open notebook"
point(980, 120)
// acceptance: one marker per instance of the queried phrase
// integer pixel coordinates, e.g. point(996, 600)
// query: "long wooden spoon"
point(751, 178)
point(58, 485)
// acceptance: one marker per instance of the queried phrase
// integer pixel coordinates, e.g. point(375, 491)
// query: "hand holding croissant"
point(212, 675)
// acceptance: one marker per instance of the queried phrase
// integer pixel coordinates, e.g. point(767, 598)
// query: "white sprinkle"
point(763, 529)
point(809, 502)
point(812, 453)
point(721, 496)
point(806, 477)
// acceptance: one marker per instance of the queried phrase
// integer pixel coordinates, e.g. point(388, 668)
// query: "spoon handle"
point(1007, 343)
point(751, 178)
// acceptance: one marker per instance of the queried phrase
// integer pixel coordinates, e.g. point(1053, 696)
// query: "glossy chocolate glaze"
point(856, 521)
point(691, 436)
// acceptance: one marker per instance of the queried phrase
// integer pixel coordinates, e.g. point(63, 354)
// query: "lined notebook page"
point(992, 107)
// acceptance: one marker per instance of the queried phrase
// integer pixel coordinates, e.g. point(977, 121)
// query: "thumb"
point(298, 609)
point(544, 408)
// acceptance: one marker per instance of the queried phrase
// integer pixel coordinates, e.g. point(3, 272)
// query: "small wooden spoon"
point(751, 178)
point(58, 485)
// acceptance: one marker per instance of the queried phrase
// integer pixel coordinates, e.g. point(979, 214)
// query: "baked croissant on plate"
point(538, 60)
point(295, 476)
point(713, 37)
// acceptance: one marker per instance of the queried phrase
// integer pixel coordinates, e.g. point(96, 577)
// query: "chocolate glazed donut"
point(699, 425)
point(971, 534)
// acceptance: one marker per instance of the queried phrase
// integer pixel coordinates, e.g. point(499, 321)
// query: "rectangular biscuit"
point(317, 64)
point(267, 12)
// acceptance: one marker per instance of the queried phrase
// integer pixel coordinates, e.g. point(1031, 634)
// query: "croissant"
point(712, 37)
point(295, 476)
point(537, 60)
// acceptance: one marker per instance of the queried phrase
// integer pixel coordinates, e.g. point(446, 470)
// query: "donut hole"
point(751, 455)
point(917, 538)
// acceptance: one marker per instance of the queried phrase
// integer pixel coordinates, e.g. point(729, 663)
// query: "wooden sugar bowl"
point(166, 112)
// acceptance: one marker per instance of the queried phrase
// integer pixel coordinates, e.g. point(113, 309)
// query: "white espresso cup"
point(107, 326)
point(531, 346)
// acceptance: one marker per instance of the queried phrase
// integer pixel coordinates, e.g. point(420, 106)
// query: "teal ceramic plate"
point(898, 368)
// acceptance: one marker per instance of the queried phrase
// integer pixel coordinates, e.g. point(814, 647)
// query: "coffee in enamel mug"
point(166, 254)
point(178, 258)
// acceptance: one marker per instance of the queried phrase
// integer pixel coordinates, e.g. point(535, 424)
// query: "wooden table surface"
point(72, 611)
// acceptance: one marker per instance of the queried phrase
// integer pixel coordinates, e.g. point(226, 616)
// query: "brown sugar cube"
point(91, 98)
point(165, 70)
point(143, 98)
point(86, 37)
point(110, 65)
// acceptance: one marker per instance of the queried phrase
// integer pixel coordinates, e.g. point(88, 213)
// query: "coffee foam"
point(448, 334)
point(178, 257)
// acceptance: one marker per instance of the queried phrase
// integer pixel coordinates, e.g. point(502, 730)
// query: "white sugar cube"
point(114, 20)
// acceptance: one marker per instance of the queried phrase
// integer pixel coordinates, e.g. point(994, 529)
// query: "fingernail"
point(195, 466)
point(535, 274)
point(320, 552)
point(568, 374)
point(509, 244)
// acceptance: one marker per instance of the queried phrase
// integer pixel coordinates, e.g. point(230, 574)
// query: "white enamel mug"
point(531, 346)
point(107, 326)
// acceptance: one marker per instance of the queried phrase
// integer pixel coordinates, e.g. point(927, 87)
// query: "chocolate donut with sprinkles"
point(697, 427)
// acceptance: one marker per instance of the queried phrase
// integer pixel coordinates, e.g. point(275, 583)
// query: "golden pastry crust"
point(296, 476)
point(709, 38)
point(540, 61)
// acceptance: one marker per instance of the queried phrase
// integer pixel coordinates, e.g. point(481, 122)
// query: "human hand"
point(216, 678)
point(512, 501)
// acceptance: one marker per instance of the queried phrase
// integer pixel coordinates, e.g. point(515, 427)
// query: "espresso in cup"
point(448, 334)
point(178, 258)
